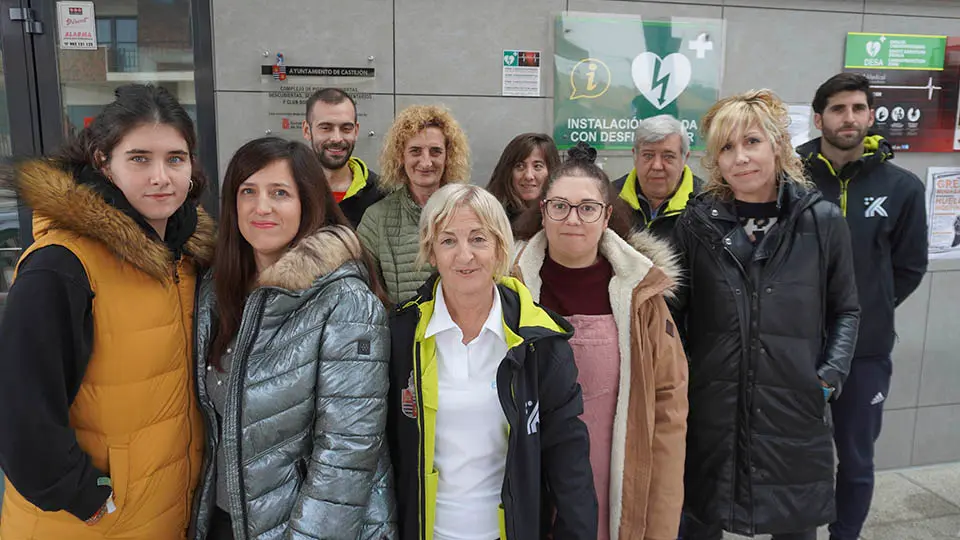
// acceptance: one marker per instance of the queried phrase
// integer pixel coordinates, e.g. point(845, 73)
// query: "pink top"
point(596, 351)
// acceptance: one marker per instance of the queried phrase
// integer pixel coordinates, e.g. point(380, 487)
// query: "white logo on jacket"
point(874, 207)
point(533, 417)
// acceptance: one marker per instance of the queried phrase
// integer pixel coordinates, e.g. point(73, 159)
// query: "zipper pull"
point(177, 259)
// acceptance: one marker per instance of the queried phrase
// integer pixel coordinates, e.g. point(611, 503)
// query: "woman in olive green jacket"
point(425, 149)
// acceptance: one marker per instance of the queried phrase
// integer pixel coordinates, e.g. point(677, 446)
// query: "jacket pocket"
point(119, 457)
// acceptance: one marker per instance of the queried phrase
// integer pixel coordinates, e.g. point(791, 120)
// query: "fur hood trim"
point(59, 202)
point(659, 252)
point(631, 259)
point(312, 258)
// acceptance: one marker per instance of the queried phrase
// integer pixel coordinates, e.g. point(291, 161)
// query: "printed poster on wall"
point(521, 73)
point(943, 212)
point(77, 26)
point(916, 84)
point(612, 71)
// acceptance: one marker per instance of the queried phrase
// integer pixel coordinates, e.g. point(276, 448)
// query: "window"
point(120, 37)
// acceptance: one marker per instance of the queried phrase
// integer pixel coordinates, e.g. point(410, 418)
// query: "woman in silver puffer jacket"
point(292, 347)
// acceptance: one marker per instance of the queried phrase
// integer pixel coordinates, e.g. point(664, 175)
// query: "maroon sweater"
point(576, 291)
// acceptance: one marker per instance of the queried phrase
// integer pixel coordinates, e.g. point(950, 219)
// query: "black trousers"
point(857, 419)
point(221, 528)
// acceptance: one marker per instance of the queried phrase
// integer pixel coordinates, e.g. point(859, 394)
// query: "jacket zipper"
point(422, 477)
point(508, 524)
point(748, 284)
point(256, 305)
point(843, 195)
point(186, 384)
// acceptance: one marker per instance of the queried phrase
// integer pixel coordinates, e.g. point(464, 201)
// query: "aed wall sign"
point(915, 80)
point(612, 71)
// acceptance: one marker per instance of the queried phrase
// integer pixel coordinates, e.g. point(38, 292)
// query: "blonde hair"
point(734, 115)
point(407, 125)
point(443, 205)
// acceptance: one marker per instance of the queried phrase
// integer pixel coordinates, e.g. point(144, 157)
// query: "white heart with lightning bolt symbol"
point(661, 80)
point(873, 47)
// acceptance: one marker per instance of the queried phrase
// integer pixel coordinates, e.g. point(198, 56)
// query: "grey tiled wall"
point(448, 51)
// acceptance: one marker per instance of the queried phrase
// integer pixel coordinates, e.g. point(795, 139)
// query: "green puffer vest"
point(389, 229)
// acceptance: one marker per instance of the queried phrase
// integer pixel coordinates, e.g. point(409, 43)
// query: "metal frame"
point(48, 77)
point(202, 31)
point(22, 104)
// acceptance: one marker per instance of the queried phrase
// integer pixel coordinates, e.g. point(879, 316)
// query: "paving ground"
point(912, 504)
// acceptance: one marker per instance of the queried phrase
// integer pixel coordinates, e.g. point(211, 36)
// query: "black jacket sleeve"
point(908, 244)
point(677, 303)
point(565, 449)
point(47, 335)
point(842, 317)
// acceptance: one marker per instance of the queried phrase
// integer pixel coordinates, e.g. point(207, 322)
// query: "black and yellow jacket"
point(885, 209)
point(548, 454)
point(662, 225)
point(364, 190)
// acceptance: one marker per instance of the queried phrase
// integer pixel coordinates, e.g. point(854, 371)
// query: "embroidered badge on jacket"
point(408, 398)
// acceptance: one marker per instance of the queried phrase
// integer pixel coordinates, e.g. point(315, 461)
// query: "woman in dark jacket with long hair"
point(771, 315)
point(292, 349)
point(524, 167)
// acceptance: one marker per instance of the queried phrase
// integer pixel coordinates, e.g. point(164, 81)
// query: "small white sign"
point(521, 73)
point(799, 124)
point(77, 26)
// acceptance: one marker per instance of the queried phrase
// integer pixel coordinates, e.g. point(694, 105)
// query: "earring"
point(190, 186)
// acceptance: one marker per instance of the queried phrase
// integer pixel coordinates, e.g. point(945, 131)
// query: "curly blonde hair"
point(407, 124)
point(732, 116)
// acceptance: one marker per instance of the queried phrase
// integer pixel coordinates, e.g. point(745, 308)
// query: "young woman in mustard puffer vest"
point(100, 434)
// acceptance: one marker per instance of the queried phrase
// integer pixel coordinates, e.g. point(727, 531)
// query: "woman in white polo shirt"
point(484, 422)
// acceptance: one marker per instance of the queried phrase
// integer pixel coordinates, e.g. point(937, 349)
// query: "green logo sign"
point(614, 71)
point(510, 58)
point(895, 51)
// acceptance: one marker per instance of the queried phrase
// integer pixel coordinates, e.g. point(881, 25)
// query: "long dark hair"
point(517, 150)
point(234, 267)
point(581, 161)
point(134, 106)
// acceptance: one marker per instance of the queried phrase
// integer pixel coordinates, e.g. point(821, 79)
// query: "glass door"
point(10, 242)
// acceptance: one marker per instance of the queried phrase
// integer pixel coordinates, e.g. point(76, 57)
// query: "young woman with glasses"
point(581, 261)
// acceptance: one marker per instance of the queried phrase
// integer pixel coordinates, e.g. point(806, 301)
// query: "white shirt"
point(471, 438)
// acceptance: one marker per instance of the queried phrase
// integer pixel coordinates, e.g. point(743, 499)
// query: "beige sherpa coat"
point(649, 436)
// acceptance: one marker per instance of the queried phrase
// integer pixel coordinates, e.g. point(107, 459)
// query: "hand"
point(827, 391)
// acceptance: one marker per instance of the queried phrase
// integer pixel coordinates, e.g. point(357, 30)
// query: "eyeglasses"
point(559, 209)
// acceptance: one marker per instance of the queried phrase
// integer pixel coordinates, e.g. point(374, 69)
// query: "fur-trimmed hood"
point(651, 405)
point(631, 259)
point(60, 202)
point(313, 258)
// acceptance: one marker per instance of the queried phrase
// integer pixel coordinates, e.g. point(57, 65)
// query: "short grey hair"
point(443, 205)
point(658, 128)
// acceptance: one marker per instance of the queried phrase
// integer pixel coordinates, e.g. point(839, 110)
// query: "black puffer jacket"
point(763, 328)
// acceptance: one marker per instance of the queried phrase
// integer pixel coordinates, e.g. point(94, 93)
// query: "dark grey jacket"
point(306, 403)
